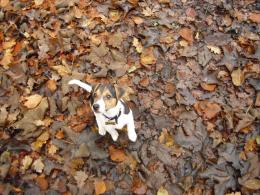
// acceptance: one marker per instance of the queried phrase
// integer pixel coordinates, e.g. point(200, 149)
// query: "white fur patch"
point(81, 84)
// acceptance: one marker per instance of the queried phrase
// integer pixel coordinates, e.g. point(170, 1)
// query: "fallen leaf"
point(234, 193)
point(51, 84)
point(138, 187)
point(138, 46)
point(38, 2)
point(7, 59)
point(116, 40)
point(254, 17)
point(250, 145)
point(26, 163)
point(80, 178)
point(186, 34)
point(38, 165)
point(9, 44)
point(147, 56)
point(162, 191)
point(32, 101)
point(41, 140)
point(207, 109)
point(253, 184)
point(116, 155)
point(214, 49)
point(147, 11)
point(60, 134)
point(166, 138)
point(4, 3)
point(257, 100)
point(144, 82)
point(62, 70)
point(52, 149)
point(238, 77)
point(208, 87)
point(42, 182)
point(100, 187)
point(137, 20)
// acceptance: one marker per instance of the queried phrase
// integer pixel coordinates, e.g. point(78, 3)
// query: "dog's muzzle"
point(95, 107)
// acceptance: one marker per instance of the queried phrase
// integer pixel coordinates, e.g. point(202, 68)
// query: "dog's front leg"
point(113, 132)
point(101, 129)
point(131, 128)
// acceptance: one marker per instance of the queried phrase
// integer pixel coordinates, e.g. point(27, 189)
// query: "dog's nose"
point(95, 107)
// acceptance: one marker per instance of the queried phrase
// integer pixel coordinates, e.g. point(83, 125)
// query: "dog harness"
point(112, 120)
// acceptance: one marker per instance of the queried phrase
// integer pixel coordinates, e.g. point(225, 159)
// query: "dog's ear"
point(85, 86)
point(120, 92)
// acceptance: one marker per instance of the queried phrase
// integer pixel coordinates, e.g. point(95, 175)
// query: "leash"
point(110, 122)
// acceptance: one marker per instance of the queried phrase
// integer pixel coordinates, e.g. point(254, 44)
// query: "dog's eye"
point(94, 95)
point(108, 97)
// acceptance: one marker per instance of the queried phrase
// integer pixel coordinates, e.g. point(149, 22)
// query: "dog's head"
point(103, 97)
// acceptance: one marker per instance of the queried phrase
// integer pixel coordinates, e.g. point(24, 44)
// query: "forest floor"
point(193, 67)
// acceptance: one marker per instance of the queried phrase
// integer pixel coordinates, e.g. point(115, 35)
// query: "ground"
point(192, 72)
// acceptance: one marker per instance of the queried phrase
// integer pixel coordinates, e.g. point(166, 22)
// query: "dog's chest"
point(115, 123)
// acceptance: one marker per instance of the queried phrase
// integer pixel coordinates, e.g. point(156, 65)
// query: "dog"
point(110, 110)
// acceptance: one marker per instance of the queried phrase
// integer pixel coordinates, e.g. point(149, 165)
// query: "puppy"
point(111, 112)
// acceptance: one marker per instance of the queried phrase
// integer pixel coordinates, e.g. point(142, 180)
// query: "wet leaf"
point(238, 77)
point(32, 101)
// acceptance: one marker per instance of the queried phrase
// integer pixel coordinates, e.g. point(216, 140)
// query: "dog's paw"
point(132, 136)
point(102, 132)
point(114, 136)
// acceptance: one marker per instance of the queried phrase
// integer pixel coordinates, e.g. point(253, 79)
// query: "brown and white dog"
point(111, 112)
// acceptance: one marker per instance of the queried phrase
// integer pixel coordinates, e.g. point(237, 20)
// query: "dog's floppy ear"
point(85, 86)
point(120, 92)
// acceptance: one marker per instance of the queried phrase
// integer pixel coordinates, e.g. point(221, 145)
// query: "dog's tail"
point(85, 86)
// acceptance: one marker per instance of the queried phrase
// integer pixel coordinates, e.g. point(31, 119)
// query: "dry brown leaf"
point(138, 187)
point(208, 87)
point(257, 100)
point(238, 77)
point(254, 17)
point(7, 59)
point(147, 56)
point(100, 187)
point(38, 165)
point(116, 154)
point(250, 145)
point(187, 34)
point(51, 84)
point(116, 40)
point(207, 109)
point(144, 82)
point(62, 70)
point(147, 11)
point(42, 182)
point(138, 46)
point(137, 20)
point(32, 101)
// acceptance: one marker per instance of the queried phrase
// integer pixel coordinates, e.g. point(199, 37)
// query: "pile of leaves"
point(194, 67)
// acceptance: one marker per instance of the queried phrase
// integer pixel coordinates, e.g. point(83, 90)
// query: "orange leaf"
point(207, 109)
point(116, 155)
point(60, 134)
point(42, 182)
point(254, 17)
point(51, 84)
point(208, 87)
point(186, 34)
point(138, 186)
point(100, 187)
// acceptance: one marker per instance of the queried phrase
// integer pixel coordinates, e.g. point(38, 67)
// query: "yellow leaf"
point(166, 138)
point(41, 140)
point(9, 44)
point(26, 163)
point(237, 77)
point(52, 149)
point(62, 70)
point(100, 187)
point(147, 57)
point(7, 59)
point(253, 184)
point(38, 2)
point(32, 101)
point(138, 46)
point(4, 3)
point(38, 165)
point(162, 191)
point(214, 49)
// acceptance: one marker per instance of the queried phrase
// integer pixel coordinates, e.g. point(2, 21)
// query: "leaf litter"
point(194, 75)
